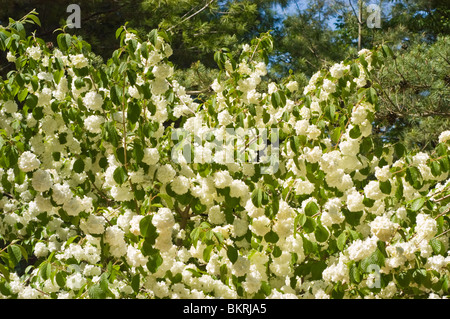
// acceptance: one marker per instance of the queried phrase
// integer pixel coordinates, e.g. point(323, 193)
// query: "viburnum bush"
point(117, 184)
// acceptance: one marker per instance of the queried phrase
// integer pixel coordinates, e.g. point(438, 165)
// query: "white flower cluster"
point(96, 187)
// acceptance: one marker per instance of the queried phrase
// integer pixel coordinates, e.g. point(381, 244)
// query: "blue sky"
point(295, 5)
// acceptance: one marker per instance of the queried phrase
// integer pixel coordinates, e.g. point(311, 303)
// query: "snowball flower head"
point(41, 181)
point(28, 162)
point(93, 101)
point(93, 123)
point(383, 228)
point(10, 107)
point(163, 219)
point(444, 137)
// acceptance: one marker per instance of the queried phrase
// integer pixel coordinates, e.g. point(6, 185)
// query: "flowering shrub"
point(117, 184)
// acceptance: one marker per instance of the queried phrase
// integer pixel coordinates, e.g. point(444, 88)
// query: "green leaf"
point(355, 132)
point(64, 41)
point(321, 234)
point(96, 292)
point(336, 134)
point(134, 112)
point(311, 208)
point(355, 70)
point(376, 258)
point(78, 166)
point(441, 149)
point(207, 252)
point(341, 240)
point(435, 168)
point(310, 225)
point(146, 227)
point(355, 275)
point(437, 246)
point(60, 280)
point(232, 254)
point(271, 237)
point(330, 111)
point(399, 150)
point(120, 175)
point(372, 96)
point(387, 51)
point(15, 254)
point(385, 187)
point(31, 101)
point(278, 99)
point(136, 282)
point(111, 134)
point(414, 177)
point(417, 204)
point(116, 95)
point(5, 272)
point(45, 270)
point(259, 197)
point(154, 261)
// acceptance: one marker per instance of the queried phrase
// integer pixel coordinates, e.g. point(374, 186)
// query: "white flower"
point(61, 193)
point(93, 123)
point(238, 189)
point(151, 156)
point(383, 228)
point(114, 235)
point(73, 206)
point(304, 187)
point(162, 71)
point(163, 219)
point(355, 201)
point(426, 227)
point(216, 86)
point(121, 193)
point(34, 52)
point(133, 91)
point(165, 173)
point(28, 162)
point(272, 88)
point(224, 118)
point(337, 70)
point(93, 101)
point(135, 227)
point(40, 250)
point(260, 225)
point(444, 137)
point(222, 179)
point(372, 190)
point(41, 181)
point(10, 57)
point(241, 266)
point(361, 249)
point(336, 272)
point(75, 281)
point(292, 86)
point(436, 263)
point(135, 258)
point(180, 185)
point(79, 61)
point(216, 216)
point(93, 225)
point(382, 174)
point(329, 86)
point(10, 107)
point(349, 147)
